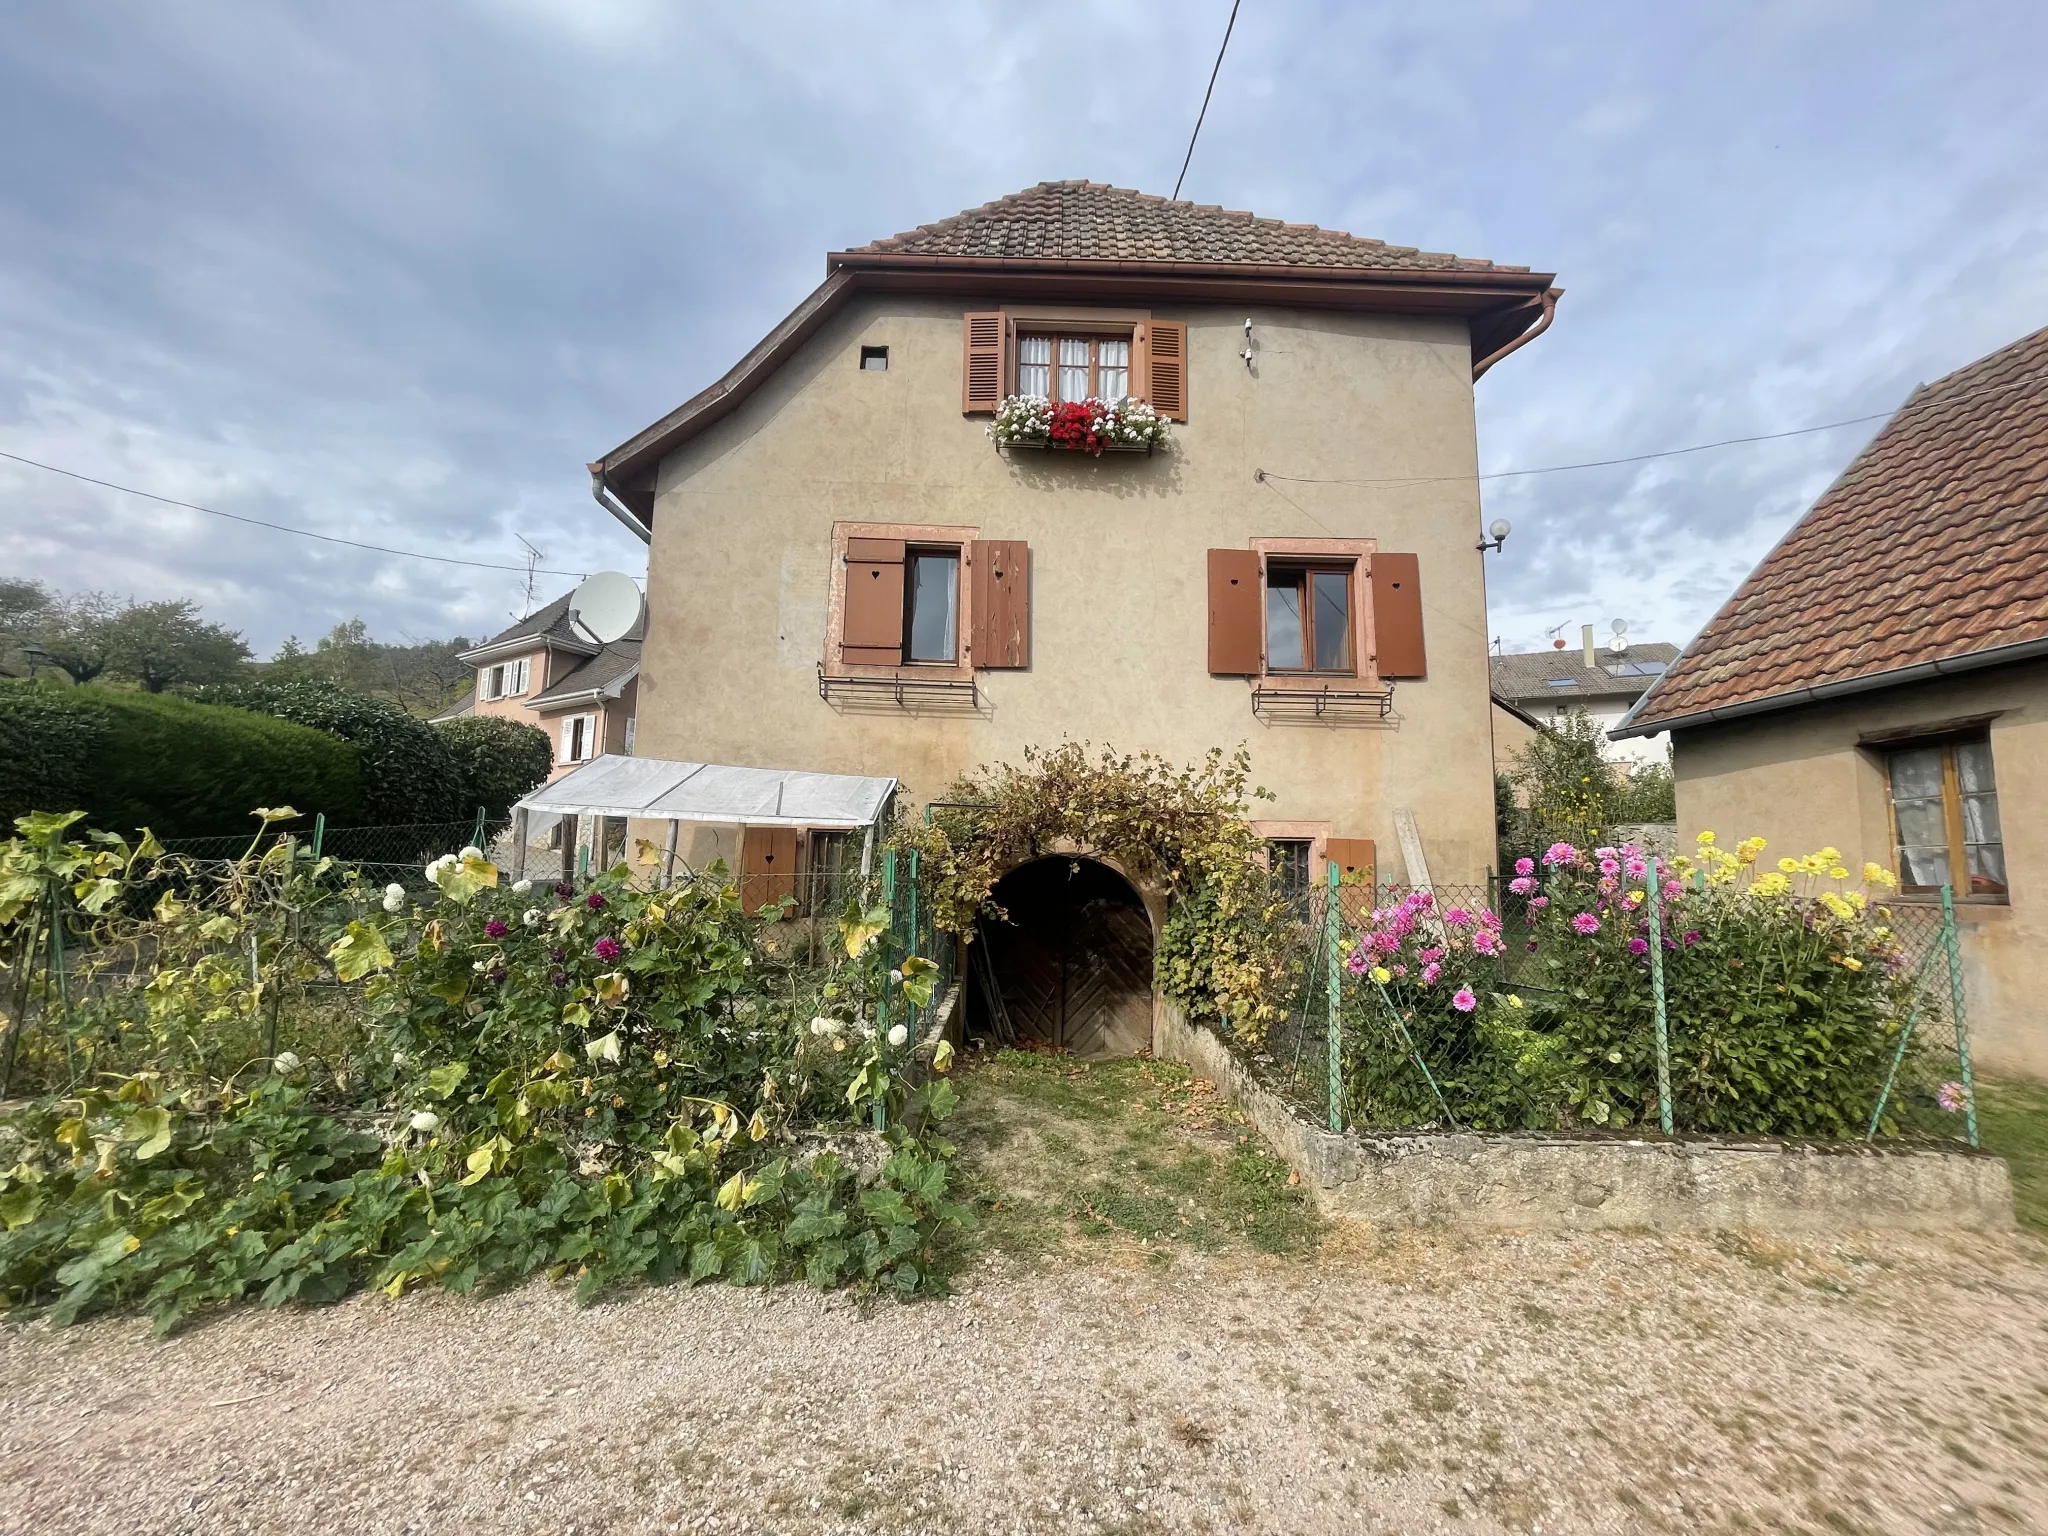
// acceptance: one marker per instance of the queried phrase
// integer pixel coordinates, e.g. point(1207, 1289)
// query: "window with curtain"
point(1074, 367)
point(1945, 819)
point(932, 596)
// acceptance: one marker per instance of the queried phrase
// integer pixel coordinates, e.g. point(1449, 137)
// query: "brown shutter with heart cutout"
point(1397, 616)
point(767, 865)
point(1235, 613)
point(1166, 367)
point(871, 631)
point(985, 365)
point(1002, 602)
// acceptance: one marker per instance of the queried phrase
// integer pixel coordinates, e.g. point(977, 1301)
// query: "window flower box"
point(1078, 426)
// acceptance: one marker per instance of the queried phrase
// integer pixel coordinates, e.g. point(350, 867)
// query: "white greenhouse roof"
point(657, 790)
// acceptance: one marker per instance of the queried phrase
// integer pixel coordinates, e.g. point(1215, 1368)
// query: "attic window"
point(1562, 682)
point(875, 358)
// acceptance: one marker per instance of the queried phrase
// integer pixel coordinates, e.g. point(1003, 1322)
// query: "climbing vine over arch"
point(1222, 955)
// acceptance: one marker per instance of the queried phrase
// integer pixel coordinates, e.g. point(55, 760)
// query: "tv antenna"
point(534, 556)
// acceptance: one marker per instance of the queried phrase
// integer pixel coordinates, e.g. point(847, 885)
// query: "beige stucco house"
point(549, 672)
point(1879, 684)
point(846, 573)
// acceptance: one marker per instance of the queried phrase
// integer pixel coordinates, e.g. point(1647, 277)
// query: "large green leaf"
point(359, 951)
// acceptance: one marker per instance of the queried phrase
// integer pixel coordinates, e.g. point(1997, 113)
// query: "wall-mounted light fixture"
point(1499, 531)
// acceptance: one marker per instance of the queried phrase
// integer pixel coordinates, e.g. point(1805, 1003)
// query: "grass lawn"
point(2012, 1120)
point(1062, 1155)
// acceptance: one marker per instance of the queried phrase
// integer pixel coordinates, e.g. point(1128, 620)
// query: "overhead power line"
point(1672, 453)
point(1183, 176)
point(257, 522)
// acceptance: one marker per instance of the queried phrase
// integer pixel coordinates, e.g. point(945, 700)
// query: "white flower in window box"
point(1080, 426)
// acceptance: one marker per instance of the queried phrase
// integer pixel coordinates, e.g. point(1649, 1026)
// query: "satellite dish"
point(1620, 640)
point(606, 605)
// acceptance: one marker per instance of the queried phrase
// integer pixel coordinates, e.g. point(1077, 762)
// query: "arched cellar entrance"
point(1071, 966)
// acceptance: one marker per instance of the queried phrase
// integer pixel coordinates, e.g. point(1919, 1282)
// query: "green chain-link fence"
point(1349, 1054)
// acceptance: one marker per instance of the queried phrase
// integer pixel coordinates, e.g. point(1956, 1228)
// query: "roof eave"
point(1500, 303)
point(520, 645)
point(1818, 693)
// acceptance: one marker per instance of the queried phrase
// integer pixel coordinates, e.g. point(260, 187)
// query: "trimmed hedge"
point(407, 773)
point(499, 759)
point(182, 769)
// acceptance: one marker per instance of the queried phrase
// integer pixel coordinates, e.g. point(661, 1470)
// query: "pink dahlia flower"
point(1585, 924)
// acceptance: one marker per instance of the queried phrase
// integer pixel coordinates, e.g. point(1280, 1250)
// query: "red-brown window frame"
point(1328, 554)
point(913, 536)
point(1307, 570)
point(1094, 336)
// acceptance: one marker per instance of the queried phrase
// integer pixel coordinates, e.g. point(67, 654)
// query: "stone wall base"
point(1481, 1180)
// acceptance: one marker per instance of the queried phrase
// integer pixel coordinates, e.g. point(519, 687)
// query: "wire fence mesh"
point(1352, 1053)
point(71, 982)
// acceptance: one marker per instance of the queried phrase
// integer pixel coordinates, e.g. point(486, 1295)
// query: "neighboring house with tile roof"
point(849, 573)
point(548, 671)
point(1551, 684)
point(1879, 684)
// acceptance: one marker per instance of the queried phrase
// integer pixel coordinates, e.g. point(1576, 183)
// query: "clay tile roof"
point(1087, 221)
point(1531, 677)
point(1932, 545)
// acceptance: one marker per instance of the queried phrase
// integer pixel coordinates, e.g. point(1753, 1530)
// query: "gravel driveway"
point(1392, 1384)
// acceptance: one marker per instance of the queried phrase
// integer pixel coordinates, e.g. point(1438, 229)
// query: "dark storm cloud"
point(395, 272)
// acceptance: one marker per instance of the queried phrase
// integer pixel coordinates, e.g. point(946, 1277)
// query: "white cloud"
point(397, 272)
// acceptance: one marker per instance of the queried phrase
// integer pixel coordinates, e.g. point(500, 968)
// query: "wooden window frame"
point(913, 550)
point(914, 537)
point(1951, 816)
point(1092, 325)
point(1327, 554)
point(1094, 338)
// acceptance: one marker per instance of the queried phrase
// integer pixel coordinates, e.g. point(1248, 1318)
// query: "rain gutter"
point(1919, 672)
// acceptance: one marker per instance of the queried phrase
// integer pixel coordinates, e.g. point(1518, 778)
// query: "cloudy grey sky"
point(395, 271)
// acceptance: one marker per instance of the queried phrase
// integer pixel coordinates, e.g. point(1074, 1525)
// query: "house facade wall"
point(740, 569)
point(517, 707)
point(1800, 779)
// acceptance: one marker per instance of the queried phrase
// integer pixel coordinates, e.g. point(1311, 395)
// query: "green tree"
point(161, 645)
point(1567, 788)
point(408, 775)
point(76, 634)
point(1648, 794)
point(499, 760)
point(24, 612)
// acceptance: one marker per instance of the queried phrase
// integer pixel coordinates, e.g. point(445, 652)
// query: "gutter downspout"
point(1550, 298)
point(602, 494)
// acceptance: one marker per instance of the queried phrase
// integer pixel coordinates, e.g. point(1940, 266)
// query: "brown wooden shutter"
point(1235, 613)
point(1002, 602)
point(1357, 864)
point(981, 374)
point(1397, 616)
point(1166, 368)
point(767, 865)
point(871, 633)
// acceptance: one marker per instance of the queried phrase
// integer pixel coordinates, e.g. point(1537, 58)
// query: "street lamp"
point(1499, 531)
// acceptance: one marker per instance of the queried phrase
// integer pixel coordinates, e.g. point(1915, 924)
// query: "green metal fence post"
point(887, 941)
point(1955, 993)
point(1333, 918)
point(60, 972)
point(476, 838)
point(916, 943)
point(1899, 1056)
point(319, 833)
point(1653, 899)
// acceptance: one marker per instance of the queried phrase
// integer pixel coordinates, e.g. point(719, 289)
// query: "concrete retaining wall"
point(1481, 1180)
